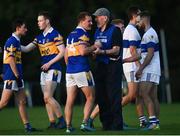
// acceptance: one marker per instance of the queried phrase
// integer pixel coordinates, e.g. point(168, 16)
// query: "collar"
point(132, 25)
point(81, 28)
point(17, 38)
point(48, 31)
point(107, 26)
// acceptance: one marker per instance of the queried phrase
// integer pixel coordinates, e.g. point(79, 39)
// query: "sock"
point(152, 119)
point(157, 121)
point(90, 120)
point(61, 119)
point(27, 126)
point(52, 123)
point(142, 119)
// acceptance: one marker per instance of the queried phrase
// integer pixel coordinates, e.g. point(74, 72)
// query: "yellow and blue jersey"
point(76, 62)
point(12, 48)
point(48, 46)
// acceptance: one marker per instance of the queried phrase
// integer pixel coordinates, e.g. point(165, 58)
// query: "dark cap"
point(102, 12)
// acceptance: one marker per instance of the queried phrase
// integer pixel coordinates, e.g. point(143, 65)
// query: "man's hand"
point(98, 51)
point(18, 81)
point(97, 44)
point(138, 74)
point(45, 67)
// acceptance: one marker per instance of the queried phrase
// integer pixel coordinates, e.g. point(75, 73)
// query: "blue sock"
point(61, 119)
point(27, 126)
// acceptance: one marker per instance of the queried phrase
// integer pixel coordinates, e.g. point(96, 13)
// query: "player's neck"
point(147, 27)
point(132, 22)
point(17, 34)
point(47, 28)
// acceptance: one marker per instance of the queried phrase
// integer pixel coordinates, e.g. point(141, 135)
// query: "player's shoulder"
point(11, 40)
point(151, 32)
point(130, 29)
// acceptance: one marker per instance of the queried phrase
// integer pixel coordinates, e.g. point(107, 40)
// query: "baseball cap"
point(102, 12)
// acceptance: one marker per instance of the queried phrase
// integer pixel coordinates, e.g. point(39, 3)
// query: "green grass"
point(11, 124)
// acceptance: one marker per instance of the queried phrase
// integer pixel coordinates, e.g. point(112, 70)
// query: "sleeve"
point(151, 41)
point(117, 37)
point(58, 40)
point(84, 39)
point(133, 38)
point(11, 49)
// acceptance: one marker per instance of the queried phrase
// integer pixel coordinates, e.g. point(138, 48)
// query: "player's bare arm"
point(60, 55)
point(85, 50)
point(135, 57)
point(147, 60)
point(114, 51)
point(13, 66)
point(66, 56)
point(28, 48)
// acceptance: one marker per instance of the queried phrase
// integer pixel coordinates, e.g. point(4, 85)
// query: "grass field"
point(170, 122)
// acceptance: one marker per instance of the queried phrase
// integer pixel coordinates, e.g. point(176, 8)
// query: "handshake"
point(98, 45)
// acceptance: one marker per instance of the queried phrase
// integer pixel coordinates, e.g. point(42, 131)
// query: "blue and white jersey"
point(48, 46)
point(131, 37)
point(77, 62)
point(150, 40)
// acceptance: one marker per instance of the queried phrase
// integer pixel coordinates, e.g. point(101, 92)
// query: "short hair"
point(133, 10)
point(145, 14)
point(82, 16)
point(117, 21)
point(17, 23)
point(45, 14)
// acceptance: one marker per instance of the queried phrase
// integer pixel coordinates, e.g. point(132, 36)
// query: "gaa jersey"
point(48, 43)
point(12, 48)
point(76, 62)
point(150, 40)
point(131, 37)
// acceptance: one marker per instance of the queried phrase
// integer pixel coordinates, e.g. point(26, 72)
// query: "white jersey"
point(131, 37)
point(150, 40)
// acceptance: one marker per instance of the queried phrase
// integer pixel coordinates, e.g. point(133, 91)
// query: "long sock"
point(142, 119)
point(158, 122)
point(153, 120)
point(27, 126)
point(61, 119)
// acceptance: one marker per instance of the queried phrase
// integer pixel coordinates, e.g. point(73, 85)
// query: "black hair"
point(133, 10)
point(17, 23)
point(45, 14)
point(82, 16)
point(145, 14)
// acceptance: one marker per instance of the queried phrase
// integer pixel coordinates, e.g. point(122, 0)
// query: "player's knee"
point(22, 102)
point(90, 98)
point(47, 99)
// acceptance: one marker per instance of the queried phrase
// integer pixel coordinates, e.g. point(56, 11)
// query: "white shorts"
point(130, 76)
point(149, 77)
point(80, 79)
point(13, 85)
point(50, 75)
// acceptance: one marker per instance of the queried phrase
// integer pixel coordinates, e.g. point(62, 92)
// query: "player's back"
point(77, 62)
